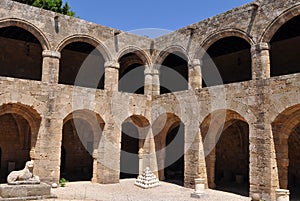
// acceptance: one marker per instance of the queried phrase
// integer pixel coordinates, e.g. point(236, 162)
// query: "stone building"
point(74, 122)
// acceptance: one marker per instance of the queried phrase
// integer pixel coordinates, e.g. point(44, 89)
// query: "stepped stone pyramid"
point(147, 180)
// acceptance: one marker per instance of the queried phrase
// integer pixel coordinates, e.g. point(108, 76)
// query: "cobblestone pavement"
point(127, 191)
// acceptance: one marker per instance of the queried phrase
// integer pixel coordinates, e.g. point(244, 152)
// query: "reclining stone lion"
point(24, 176)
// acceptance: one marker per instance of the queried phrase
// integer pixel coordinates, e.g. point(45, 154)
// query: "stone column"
point(50, 72)
point(195, 74)
point(210, 163)
point(108, 156)
point(148, 81)
point(262, 159)
point(155, 82)
point(161, 164)
point(111, 76)
point(260, 61)
point(141, 165)
point(149, 157)
point(95, 166)
point(202, 173)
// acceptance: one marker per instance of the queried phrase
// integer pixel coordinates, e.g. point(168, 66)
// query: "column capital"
point(260, 47)
point(148, 70)
point(155, 72)
point(51, 54)
point(112, 64)
point(195, 62)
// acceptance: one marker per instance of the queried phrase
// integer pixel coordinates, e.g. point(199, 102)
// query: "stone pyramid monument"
point(147, 180)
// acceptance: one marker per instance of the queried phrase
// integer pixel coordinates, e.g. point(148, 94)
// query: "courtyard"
point(127, 191)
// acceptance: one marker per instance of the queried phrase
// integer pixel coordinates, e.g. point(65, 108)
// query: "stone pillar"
point(50, 138)
point(95, 166)
point(111, 76)
point(141, 165)
point(50, 72)
point(211, 163)
point(262, 156)
point(260, 61)
point(149, 157)
point(109, 150)
point(148, 81)
point(195, 75)
point(202, 173)
point(155, 82)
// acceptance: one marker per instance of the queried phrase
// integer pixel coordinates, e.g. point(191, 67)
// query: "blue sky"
point(138, 14)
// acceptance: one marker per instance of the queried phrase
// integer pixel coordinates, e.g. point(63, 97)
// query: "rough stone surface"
point(23, 191)
point(268, 105)
point(126, 190)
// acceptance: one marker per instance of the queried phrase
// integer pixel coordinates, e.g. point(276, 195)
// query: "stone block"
point(25, 192)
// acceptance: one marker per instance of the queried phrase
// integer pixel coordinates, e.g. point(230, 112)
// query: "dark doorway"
point(232, 159)
point(174, 162)
point(129, 163)
point(76, 159)
point(15, 144)
point(294, 164)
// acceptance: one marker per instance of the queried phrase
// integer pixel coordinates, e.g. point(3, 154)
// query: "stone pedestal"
point(25, 192)
point(199, 189)
point(282, 195)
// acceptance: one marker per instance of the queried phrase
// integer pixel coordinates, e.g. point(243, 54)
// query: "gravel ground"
point(127, 191)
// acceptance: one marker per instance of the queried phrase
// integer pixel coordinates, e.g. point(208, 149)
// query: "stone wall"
point(268, 105)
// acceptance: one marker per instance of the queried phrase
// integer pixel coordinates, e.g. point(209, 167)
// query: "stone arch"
point(226, 58)
point(21, 124)
point(135, 130)
point(224, 117)
point(169, 50)
point(28, 27)
point(169, 136)
point(214, 37)
point(31, 115)
point(138, 51)
point(283, 36)
point(82, 131)
point(82, 56)
point(285, 126)
point(133, 63)
point(86, 39)
point(217, 129)
point(94, 119)
point(278, 22)
point(173, 66)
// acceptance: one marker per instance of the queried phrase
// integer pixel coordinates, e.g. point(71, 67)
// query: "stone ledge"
point(29, 198)
point(24, 192)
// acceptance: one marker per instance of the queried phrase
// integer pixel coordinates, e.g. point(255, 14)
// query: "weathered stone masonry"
point(256, 112)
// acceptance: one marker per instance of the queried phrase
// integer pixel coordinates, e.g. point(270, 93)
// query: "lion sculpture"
point(24, 176)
